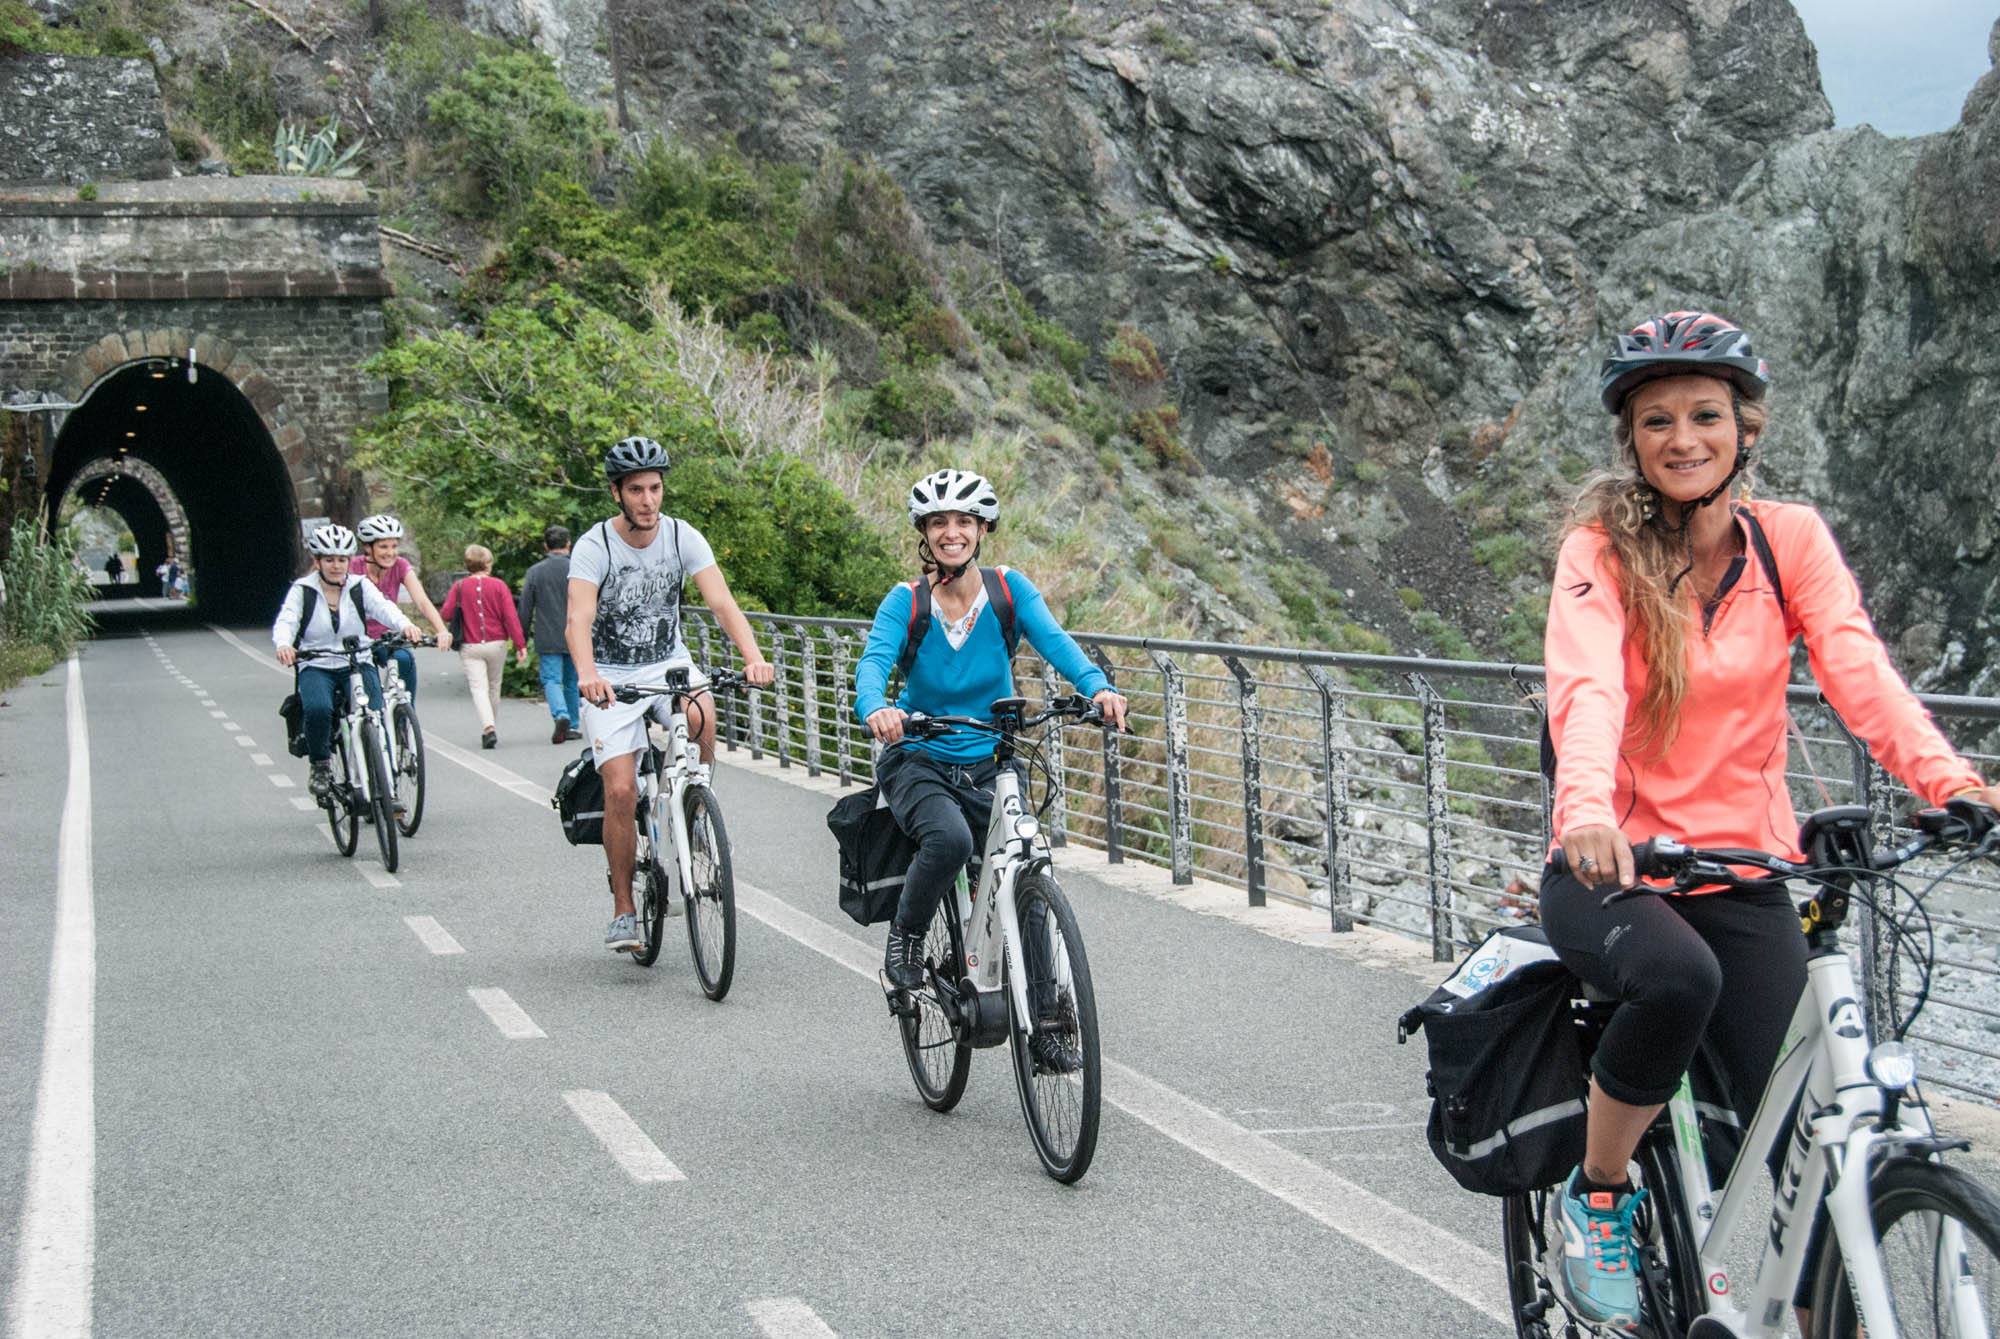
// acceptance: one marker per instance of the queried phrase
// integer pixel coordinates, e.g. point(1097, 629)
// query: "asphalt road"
point(307, 1123)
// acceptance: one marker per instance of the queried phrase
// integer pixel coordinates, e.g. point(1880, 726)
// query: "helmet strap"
point(945, 575)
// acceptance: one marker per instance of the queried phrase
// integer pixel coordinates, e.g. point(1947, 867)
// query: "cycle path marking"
point(434, 937)
point(788, 1318)
point(621, 1136)
point(509, 1017)
point(54, 1274)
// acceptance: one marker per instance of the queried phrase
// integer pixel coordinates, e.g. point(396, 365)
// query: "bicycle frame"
point(358, 714)
point(667, 773)
point(1836, 1132)
point(1014, 843)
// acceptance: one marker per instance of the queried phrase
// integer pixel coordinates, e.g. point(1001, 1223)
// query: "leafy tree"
point(493, 435)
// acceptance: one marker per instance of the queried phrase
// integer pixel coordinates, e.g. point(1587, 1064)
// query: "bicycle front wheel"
point(409, 770)
point(1940, 1249)
point(381, 796)
point(1057, 1064)
point(341, 815)
point(939, 1061)
point(711, 894)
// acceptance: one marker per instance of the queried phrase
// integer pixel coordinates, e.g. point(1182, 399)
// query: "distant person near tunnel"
point(1669, 643)
point(625, 583)
point(114, 569)
point(321, 609)
point(481, 607)
point(951, 634)
point(380, 560)
point(545, 622)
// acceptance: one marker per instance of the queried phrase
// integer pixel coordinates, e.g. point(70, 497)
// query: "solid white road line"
point(434, 936)
point(509, 1017)
point(53, 1271)
point(621, 1136)
point(538, 792)
point(1454, 1265)
point(788, 1318)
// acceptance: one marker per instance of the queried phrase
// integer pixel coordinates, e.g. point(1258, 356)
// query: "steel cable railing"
point(1400, 793)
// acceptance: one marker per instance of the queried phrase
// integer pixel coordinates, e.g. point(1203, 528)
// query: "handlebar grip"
point(1976, 815)
point(625, 693)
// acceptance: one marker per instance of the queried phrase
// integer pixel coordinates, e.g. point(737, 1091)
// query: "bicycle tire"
point(340, 814)
point(1062, 1107)
point(1671, 1269)
point(1898, 1188)
point(650, 889)
point(710, 900)
point(381, 793)
point(940, 1059)
point(409, 769)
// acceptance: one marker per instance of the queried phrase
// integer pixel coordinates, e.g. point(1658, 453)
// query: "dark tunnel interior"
point(221, 466)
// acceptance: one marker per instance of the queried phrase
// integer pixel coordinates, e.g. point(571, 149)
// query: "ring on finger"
point(1586, 864)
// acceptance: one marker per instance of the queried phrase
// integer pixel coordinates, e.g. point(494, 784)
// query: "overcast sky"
point(1902, 66)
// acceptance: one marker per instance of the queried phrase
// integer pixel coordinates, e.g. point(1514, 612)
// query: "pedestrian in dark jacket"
point(544, 615)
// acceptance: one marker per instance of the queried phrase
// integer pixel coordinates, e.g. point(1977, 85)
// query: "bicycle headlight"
point(1893, 1065)
point(1027, 828)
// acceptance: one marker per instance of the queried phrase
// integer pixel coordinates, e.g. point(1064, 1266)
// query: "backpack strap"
point(1762, 544)
point(920, 623)
point(1000, 594)
point(308, 601)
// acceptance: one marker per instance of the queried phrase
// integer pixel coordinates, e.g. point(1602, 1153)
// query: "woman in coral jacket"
point(1669, 651)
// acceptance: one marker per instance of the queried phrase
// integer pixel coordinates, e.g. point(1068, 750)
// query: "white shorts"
point(620, 728)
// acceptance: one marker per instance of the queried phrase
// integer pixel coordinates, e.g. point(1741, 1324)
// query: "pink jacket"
point(1722, 781)
point(488, 610)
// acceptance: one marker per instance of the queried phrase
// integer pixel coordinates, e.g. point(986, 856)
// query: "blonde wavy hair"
point(1649, 555)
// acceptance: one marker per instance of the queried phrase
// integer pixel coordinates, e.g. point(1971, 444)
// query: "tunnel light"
point(131, 434)
point(159, 376)
point(138, 409)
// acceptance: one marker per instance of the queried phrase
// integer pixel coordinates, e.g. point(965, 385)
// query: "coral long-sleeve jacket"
point(1722, 781)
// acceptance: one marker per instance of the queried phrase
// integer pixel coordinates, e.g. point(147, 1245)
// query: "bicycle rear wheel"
point(711, 896)
point(1057, 1064)
point(341, 815)
point(649, 881)
point(939, 1061)
point(381, 793)
point(1937, 1291)
point(409, 769)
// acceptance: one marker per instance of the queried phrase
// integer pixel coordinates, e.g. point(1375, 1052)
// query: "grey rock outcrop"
point(81, 119)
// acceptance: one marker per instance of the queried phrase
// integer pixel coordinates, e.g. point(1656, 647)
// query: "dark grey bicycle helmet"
point(1677, 343)
point(634, 455)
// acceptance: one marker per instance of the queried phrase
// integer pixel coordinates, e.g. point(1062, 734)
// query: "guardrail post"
point(1253, 777)
point(1437, 816)
point(1878, 984)
point(705, 651)
point(756, 701)
point(1334, 769)
point(843, 715)
point(1114, 807)
point(809, 695)
point(1057, 825)
point(781, 706)
point(1180, 815)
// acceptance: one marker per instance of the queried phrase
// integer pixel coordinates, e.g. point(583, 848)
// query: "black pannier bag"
point(875, 855)
point(579, 802)
point(294, 713)
point(1507, 1079)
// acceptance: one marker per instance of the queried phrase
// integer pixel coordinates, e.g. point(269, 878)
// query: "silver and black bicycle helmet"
point(634, 455)
point(954, 490)
point(379, 526)
point(1677, 343)
point(331, 541)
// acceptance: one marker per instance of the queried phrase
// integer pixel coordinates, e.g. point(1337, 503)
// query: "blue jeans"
point(559, 686)
point(406, 665)
point(323, 692)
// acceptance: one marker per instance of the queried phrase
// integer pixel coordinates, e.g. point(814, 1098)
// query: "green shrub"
point(236, 105)
point(1059, 344)
point(1505, 556)
point(859, 243)
point(48, 598)
point(1135, 367)
point(515, 125)
point(913, 404)
point(1412, 598)
point(1051, 393)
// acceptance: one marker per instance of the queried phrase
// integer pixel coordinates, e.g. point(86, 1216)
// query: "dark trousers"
point(1722, 968)
point(322, 692)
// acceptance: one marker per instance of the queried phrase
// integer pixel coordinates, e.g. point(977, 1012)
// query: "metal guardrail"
point(1389, 791)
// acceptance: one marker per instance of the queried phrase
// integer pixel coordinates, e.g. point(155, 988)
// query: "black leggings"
point(1722, 968)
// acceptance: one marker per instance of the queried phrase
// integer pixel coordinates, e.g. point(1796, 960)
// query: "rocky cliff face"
point(1402, 234)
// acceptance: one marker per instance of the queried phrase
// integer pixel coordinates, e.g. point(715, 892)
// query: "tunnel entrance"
point(145, 428)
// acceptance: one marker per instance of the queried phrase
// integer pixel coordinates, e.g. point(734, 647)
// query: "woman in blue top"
point(941, 790)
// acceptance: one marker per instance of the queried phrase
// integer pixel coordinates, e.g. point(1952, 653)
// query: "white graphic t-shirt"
point(639, 592)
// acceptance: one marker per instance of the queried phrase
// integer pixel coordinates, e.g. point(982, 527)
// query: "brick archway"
point(153, 482)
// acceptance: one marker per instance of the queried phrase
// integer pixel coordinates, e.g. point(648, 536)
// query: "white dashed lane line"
point(434, 936)
point(261, 759)
point(509, 1017)
point(788, 1318)
point(305, 804)
point(280, 780)
point(219, 715)
point(621, 1136)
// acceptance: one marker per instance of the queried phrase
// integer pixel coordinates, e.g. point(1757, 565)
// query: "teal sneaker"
point(1599, 1272)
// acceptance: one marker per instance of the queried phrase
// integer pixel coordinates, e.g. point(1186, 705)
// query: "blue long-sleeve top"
point(966, 680)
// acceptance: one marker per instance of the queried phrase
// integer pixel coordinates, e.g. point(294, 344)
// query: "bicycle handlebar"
point(680, 685)
point(1960, 823)
point(1070, 708)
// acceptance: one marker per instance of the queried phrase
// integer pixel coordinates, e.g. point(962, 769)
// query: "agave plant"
point(314, 155)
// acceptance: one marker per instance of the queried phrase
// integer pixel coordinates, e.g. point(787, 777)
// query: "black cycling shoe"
point(1054, 1053)
point(321, 784)
point(903, 963)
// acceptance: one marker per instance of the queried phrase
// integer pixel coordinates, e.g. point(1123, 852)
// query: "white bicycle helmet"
point(379, 526)
point(954, 490)
point(331, 541)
